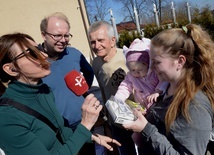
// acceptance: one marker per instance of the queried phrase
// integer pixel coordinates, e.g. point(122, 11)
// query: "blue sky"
point(199, 3)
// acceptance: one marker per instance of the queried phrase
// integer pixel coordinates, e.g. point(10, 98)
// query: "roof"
point(128, 26)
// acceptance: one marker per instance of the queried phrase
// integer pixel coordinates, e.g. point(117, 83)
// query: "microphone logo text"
point(79, 81)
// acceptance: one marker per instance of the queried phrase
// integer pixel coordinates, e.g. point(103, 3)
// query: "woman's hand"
point(139, 124)
point(104, 141)
point(90, 111)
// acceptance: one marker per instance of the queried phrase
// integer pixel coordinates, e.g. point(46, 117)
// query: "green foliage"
point(126, 38)
point(151, 30)
point(205, 18)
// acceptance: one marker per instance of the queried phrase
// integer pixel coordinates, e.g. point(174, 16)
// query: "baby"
point(140, 80)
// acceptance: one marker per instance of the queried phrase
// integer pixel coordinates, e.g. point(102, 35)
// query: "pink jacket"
point(141, 88)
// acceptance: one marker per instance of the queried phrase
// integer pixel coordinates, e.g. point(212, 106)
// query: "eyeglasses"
point(58, 37)
point(28, 52)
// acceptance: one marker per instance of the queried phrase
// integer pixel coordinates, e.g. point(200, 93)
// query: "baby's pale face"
point(138, 69)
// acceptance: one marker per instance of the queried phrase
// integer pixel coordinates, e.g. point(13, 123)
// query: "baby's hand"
point(152, 97)
point(143, 112)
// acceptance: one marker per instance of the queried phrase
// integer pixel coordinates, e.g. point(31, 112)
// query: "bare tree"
point(163, 7)
point(144, 9)
point(128, 7)
point(181, 12)
point(97, 9)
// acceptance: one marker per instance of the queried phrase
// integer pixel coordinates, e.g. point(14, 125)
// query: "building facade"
point(25, 16)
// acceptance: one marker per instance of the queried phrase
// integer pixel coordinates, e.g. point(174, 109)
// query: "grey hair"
point(96, 25)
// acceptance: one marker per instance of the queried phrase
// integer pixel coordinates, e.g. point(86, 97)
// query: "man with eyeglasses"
point(55, 32)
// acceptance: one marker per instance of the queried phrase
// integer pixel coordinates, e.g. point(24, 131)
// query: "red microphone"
point(76, 82)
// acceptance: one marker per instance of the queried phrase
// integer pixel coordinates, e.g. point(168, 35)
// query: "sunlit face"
point(56, 27)
point(30, 70)
point(101, 44)
point(137, 69)
point(165, 66)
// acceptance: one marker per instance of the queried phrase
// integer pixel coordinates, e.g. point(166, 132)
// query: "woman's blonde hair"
point(198, 48)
